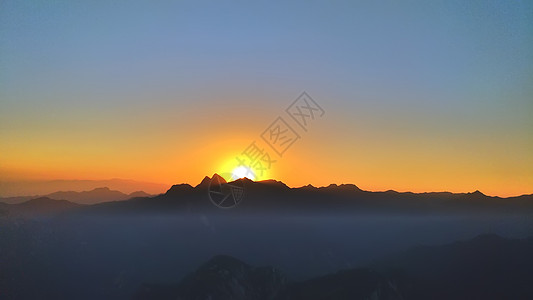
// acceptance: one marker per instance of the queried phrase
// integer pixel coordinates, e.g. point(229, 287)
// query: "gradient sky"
point(419, 96)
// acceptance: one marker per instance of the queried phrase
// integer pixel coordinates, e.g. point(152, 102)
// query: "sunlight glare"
point(241, 172)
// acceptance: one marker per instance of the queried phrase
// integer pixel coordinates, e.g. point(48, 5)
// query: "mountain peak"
point(101, 189)
point(204, 183)
point(244, 180)
point(46, 203)
point(477, 194)
point(41, 200)
point(309, 187)
point(225, 277)
point(178, 188)
point(274, 183)
point(139, 194)
point(218, 179)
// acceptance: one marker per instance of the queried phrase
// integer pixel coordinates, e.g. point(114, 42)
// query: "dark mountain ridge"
point(274, 196)
point(271, 196)
point(42, 206)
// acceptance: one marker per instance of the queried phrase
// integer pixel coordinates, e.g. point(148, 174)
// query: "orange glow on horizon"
point(184, 150)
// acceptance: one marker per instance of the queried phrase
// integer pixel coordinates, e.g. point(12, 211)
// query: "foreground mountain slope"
point(225, 278)
point(486, 267)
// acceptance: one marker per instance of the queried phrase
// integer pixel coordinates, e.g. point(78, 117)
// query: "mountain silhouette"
point(97, 195)
point(39, 207)
point(271, 196)
point(224, 278)
point(275, 196)
point(43, 188)
point(204, 183)
point(486, 267)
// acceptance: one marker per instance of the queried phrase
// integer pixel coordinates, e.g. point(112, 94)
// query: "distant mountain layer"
point(41, 187)
point(39, 207)
point(487, 267)
point(97, 195)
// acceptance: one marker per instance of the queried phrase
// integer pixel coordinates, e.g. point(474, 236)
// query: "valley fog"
point(111, 256)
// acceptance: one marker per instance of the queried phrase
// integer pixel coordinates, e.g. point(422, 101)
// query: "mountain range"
point(275, 196)
point(97, 195)
point(13, 188)
point(270, 196)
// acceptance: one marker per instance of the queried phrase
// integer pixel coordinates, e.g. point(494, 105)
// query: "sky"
point(418, 96)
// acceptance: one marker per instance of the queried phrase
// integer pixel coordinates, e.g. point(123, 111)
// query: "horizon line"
point(262, 180)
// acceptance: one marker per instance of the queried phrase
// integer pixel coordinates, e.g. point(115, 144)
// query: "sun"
point(232, 169)
point(241, 172)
